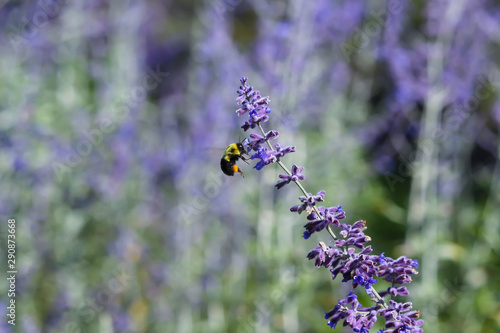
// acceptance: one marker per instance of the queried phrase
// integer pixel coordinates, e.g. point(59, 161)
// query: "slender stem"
point(380, 300)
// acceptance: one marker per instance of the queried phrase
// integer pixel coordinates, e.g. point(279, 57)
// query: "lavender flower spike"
point(348, 255)
point(252, 102)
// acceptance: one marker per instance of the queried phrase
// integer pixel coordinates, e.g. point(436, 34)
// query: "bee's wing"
point(215, 151)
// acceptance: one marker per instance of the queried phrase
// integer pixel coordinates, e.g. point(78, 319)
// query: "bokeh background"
point(114, 116)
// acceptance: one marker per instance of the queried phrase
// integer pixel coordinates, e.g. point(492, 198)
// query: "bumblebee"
point(232, 154)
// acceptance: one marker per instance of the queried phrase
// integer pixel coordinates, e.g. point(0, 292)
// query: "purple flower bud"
point(283, 151)
point(248, 125)
point(295, 176)
point(272, 134)
point(359, 224)
point(330, 313)
point(382, 259)
point(324, 255)
point(349, 299)
point(257, 140)
point(358, 279)
point(308, 202)
point(262, 155)
point(271, 158)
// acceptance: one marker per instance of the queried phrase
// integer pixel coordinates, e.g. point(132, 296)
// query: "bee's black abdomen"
point(227, 167)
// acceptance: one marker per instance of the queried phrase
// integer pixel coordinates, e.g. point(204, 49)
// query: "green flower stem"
point(379, 299)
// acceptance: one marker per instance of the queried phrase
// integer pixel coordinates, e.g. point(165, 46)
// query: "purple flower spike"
point(296, 175)
point(252, 102)
point(348, 255)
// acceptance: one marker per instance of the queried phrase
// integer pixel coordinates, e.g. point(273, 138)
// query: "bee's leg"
point(244, 160)
point(236, 169)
